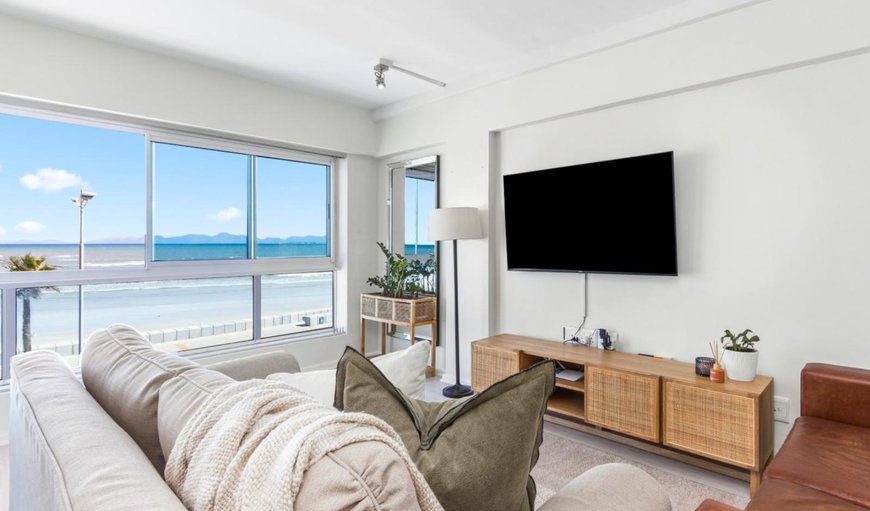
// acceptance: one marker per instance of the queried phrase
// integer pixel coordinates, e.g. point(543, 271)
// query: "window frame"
point(163, 132)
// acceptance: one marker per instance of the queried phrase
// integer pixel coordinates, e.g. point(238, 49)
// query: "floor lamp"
point(455, 224)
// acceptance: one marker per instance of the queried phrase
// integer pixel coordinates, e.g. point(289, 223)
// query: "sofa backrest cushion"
point(123, 372)
point(67, 453)
point(180, 397)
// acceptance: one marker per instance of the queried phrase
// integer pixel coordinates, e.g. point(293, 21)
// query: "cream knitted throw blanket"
point(250, 444)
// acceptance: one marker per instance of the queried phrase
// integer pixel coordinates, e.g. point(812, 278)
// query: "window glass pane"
point(296, 303)
point(200, 203)
point(48, 320)
point(44, 164)
point(419, 200)
point(292, 209)
point(176, 315)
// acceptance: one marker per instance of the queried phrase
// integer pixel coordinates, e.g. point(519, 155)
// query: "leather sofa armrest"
point(713, 505)
point(836, 393)
point(257, 366)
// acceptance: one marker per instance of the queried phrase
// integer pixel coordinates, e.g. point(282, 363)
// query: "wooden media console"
point(656, 405)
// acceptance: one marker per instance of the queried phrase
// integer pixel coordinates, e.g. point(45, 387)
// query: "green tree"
point(28, 262)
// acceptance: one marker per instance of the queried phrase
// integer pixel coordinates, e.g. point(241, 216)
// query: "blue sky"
point(43, 164)
point(419, 199)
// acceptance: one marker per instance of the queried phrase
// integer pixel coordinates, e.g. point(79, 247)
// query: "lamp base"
point(455, 391)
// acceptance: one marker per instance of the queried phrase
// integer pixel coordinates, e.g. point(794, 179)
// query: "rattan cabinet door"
point(710, 423)
point(623, 401)
point(491, 365)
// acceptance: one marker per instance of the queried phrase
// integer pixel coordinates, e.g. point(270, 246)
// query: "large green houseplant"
point(404, 278)
point(407, 291)
point(739, 356)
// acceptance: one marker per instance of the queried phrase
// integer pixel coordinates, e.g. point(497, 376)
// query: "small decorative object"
point(703, 365)
point(740, 357)
point(717, 374)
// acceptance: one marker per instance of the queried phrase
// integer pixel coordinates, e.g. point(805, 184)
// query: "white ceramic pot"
point(740, 365)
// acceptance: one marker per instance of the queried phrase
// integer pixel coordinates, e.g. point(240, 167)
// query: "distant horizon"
point(222, 238)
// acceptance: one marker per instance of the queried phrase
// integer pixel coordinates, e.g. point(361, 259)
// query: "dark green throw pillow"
point(475, 453)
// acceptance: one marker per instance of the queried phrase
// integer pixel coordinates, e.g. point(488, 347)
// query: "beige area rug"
point(562, 460)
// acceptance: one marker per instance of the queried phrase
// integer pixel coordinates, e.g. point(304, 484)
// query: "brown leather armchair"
point(825, 461)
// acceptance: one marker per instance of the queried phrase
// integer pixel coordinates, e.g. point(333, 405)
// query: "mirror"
point(413, 191)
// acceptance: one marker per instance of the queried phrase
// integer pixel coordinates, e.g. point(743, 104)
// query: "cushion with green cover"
point(475, 453)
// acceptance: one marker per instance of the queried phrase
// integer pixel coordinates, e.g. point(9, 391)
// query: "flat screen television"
point(614, 216)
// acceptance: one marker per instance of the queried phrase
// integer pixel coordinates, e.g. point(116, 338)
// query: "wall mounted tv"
point(613, 216)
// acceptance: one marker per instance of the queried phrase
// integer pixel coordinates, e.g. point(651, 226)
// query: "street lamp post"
point(81, 201)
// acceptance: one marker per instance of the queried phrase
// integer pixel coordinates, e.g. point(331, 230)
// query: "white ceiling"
point(328, 47)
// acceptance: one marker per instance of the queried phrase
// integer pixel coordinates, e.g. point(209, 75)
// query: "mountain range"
point(239, 239)
point(186, 239)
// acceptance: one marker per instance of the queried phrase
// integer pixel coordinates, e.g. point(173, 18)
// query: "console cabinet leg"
point(362, 337)
point(754, 482)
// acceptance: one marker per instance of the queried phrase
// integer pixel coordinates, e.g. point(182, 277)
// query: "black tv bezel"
point(602, 272)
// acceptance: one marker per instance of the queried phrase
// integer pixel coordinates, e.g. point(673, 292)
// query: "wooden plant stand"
point(407, 312)
point(659, 406)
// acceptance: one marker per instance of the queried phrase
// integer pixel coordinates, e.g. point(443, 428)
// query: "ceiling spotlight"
point(380, 69)
point(384, 65)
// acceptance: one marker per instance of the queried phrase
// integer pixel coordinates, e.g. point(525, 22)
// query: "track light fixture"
point(384, 65)
point(380, 69)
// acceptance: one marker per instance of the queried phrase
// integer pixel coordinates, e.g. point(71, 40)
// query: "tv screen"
point(613, 216)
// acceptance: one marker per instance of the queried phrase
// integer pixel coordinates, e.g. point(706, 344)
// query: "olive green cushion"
point(475, 453)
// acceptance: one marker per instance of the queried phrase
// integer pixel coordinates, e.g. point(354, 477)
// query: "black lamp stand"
point(457, 390)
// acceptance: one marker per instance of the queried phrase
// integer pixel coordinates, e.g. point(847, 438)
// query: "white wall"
point(50, 64)
point(772, 230)
point(766, 111)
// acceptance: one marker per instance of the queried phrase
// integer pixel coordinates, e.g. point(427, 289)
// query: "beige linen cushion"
point(67, 453)
point(611, 487)
point(361, 476)
point(406, 369)
point(123, 372)
point(180, 397)
point(475, 453)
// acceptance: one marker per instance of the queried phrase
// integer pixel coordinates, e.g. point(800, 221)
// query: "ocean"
point(66, 256)
point(166, 305)
point(110, 255)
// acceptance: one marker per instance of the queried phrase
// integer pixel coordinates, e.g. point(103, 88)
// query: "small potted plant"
point(407, 291)
point(740, 357)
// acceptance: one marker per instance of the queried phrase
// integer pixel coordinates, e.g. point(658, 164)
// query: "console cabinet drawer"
point(623, 401)
point(714, 424)
point(491, 365)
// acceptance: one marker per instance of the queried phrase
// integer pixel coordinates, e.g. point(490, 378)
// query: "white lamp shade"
point(454, 224)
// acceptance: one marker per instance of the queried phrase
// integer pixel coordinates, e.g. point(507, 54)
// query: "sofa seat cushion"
point(123, 372)
point(779, 495)
point(827, 456)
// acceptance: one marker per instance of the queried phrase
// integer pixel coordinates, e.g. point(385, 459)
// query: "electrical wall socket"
point(780, 409)
point(585, 334)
